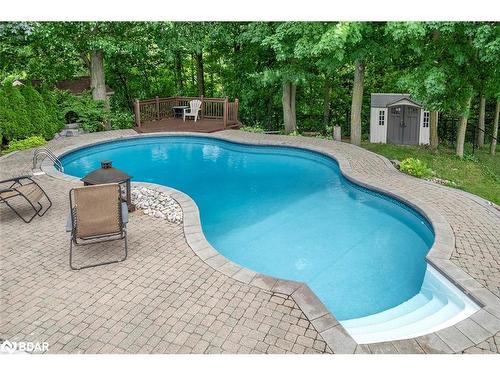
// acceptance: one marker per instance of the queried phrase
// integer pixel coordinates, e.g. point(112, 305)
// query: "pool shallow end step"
point(439, 305)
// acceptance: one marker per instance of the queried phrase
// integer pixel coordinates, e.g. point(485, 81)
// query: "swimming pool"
point(288, 213)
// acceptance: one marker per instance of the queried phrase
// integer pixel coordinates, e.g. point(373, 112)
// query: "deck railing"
point(161, 108)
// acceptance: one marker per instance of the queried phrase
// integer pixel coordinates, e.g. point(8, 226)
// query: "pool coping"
point(337, 338)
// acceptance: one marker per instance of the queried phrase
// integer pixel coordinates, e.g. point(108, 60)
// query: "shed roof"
point(405, 101)
point(78, 85)
point(382, 100)
point(75, 86)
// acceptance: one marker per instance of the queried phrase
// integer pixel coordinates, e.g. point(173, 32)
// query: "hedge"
point(18, 120)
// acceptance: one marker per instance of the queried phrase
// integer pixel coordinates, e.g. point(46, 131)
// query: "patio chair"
point(97, 214)
point(192, 111)
point(25, 188)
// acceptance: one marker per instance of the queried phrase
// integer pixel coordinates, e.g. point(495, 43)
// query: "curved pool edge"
point(327, 325)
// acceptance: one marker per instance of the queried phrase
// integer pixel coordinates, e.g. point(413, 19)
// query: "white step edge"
point(433, 281)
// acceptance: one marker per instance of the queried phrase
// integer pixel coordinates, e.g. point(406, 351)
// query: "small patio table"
point(179, 109)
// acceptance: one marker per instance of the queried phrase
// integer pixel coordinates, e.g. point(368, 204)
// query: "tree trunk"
point(192, 70)
point(211, 83)
point(434, 140)
point(494, 133)
point(178, 73)
point(326, 103)
point(200, 75)
point(357, 103)
point(480, 128)
point(462, 128)
point(97, 82)
point(289, 119)
point(269, 112)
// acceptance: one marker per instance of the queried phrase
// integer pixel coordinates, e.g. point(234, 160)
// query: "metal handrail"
point(47, 153)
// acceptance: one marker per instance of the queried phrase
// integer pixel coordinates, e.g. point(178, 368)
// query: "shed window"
point(381, 118)
point(426, 119)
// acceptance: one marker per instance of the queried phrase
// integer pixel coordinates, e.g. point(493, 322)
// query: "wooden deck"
point(177, 125)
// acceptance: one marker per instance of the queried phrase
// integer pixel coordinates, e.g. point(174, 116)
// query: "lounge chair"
point(97, 214)
point(192, 111)
point(24, 187)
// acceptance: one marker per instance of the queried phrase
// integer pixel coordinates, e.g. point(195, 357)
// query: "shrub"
point(54, 113)
point(14, 119)
point(25, 112)
point(37, 112)
point(253, 129)
point(415, 167)
point(6, 115)
point(24, 144)
point(470, 157)
point(121, 119)
point(91, 113)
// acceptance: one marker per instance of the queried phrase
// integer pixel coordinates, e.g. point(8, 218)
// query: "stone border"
point(478, 327)
point(6, 156)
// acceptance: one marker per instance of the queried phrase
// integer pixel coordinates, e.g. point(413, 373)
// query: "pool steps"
point(437, 306)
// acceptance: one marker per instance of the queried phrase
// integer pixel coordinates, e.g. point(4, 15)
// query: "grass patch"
point(478, 174)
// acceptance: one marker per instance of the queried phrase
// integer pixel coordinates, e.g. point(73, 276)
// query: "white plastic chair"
point(194, 108)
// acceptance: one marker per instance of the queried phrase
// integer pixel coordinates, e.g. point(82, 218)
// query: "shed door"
point(403, 125)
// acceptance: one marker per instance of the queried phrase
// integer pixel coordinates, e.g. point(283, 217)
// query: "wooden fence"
point(161, 108)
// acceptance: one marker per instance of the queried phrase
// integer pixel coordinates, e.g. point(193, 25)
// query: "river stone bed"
point(156, 204)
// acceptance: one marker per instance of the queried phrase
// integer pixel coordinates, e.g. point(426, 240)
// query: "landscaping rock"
point(441, 181)
point(396, 163)
point(156, 204)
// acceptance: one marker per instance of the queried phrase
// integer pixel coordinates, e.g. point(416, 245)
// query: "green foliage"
point(8, 119)
point(481, 177)
point(415, 167)
point(24, 144)
point(253, 129)
point(55, 115)
point(25, 112)
point(121, 119)
point(17, 123)
point(439, 63)
point(90, 113)
point(470, 157)
point(41, 118)
point(295, 133)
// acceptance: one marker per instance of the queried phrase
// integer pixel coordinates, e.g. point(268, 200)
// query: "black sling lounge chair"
point(25, 188)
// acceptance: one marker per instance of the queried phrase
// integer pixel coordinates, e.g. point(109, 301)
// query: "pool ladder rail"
point(45, 152)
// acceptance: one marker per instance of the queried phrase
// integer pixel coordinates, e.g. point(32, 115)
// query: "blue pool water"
point(288, 213)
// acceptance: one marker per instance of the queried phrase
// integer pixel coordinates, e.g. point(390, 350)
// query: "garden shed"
point(398, 119)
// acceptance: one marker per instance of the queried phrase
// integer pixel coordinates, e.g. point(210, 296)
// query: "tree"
point(480, 126)
point(494, 135)
point(443, 70)
point(305, 75)
point(281, 39)
point(485, 38)
point(88, 42)
point(322, 44)
point(357, 101)
point(363, 41)
point(195, 38)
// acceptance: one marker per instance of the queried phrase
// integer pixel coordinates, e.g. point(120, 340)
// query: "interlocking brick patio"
point(165, 299)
